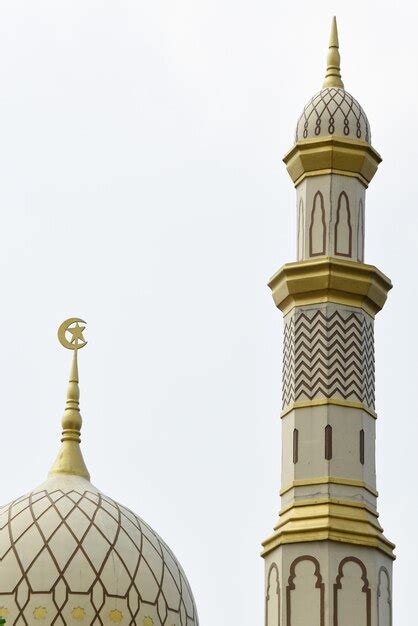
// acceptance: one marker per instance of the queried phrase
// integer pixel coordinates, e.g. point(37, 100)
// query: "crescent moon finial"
point(72, 329)
point(69, 459)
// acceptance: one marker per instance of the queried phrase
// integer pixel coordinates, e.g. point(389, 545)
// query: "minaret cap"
point(70, 459)
point(333, 75)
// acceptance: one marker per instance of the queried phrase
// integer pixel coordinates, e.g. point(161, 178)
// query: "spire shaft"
point(333, 75)
point(70, 459)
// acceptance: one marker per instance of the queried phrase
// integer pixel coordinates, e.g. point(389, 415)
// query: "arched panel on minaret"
point(295, 445)
point(360, 233)
point(317, 228)
point(384, 598)
point(301, 231)
point(352, 594)
point(305, 593)
point(361, 446)
point(343, 229)
point(328, 442)
point(273, 597)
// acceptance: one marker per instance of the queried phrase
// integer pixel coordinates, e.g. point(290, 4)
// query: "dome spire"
point(69, 459)
point(333, 75)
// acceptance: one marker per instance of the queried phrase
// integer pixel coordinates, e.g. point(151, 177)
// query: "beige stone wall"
point(345, 461)
point(327, 584)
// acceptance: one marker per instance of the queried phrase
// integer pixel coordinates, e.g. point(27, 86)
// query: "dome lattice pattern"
point(70, 555)
point(333, 111)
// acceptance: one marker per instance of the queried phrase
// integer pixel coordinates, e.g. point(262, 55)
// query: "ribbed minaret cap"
point(70, 459)
point(333, 75)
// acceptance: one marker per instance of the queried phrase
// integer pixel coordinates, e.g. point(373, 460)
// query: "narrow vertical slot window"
point(362, 446)
point(295, 445)
point(328, 442)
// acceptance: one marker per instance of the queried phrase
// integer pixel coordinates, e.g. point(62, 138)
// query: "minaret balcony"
point(332, 155)
point(327, 279)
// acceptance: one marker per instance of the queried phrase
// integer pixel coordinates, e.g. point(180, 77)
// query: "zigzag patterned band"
point(328, 354)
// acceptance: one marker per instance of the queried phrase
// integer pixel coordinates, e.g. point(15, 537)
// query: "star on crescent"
point(77, 334)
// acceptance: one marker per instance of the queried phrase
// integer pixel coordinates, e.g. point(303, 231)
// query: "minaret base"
point(326, 583)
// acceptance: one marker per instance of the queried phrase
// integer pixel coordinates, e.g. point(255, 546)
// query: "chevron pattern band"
point(328, 354)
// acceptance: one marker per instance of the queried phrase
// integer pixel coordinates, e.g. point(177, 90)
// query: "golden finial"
point(69, 459)
point(333, 75)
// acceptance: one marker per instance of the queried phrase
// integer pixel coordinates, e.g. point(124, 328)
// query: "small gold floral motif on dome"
point(148, 621)
point(115, 616)
point(40, 612)
point(4, 611)
point(78, 613)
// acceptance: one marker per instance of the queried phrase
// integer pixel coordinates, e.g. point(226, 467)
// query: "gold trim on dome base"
point(332, 155)
point(306, 404)
point(328, 279)
point(329, 519)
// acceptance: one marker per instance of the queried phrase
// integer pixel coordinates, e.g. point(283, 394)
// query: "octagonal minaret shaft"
point(328, 562)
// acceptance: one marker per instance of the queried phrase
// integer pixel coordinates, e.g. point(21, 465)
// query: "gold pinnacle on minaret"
point(333, 75)
point(69, 459)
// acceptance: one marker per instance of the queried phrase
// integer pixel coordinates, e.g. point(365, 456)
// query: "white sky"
point(142, 189)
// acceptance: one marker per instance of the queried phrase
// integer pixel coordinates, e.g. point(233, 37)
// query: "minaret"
point(328, 562)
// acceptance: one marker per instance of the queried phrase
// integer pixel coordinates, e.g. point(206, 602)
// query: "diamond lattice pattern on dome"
point(76, 556)
point(333, 111)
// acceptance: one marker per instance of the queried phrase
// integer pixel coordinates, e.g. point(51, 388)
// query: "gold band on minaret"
point(333, 75)
point(70, 459)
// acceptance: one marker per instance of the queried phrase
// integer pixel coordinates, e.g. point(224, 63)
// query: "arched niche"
point(352, 595)
point(317, 228)
point(301, 231)
point(384, 598)
point(343, 239)
point(305, 593)
point(272, 609)
point(360, 233)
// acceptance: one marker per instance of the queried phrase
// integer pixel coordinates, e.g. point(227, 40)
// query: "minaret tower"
point(328, 562)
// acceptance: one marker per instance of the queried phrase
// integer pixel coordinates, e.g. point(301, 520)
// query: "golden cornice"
point(332, 155)
point(329, 500)
point(326, 401)
point(332, 520)
point(328, 279)
point(329, 480)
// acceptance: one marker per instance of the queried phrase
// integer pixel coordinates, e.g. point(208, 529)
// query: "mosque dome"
point(71, 555)
point(333, 111)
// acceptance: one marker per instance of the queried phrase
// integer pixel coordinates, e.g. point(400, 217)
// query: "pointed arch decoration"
point(328, 442)
point(361, 451)
point(295, 446)
point(360, 233)
point(272, 607)
point(319, 585)
point(338, 586)
point(317, 228)
point(343, 231)
point(301, 231)
point(384, 598)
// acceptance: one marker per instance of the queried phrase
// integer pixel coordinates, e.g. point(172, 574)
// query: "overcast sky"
point(142, 189)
